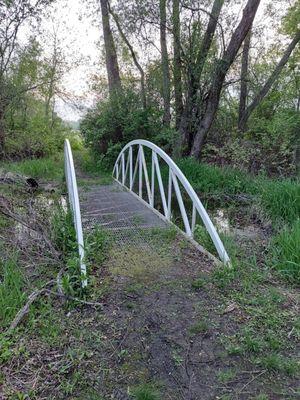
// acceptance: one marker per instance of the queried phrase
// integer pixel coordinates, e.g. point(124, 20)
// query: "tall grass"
point(38, 168)
point(285, 252)
point(11, 290)
point(278, 198)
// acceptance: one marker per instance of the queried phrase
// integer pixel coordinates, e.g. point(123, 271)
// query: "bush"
point(117, 121)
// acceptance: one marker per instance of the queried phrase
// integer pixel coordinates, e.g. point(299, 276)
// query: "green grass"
point(145, 392)
point(51, 168)
point(12, 295)
point(278, 198)
point(285, 252)
point(91, 166)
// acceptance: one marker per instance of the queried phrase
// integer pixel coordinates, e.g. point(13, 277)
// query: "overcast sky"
point(79, 29)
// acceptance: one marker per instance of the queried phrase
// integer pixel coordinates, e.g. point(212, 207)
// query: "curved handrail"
point(75, 208)
point(175, 174)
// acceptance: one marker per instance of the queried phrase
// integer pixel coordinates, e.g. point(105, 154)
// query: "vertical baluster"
point(140, 172)
point(123, 168)
point(193, 219)
point(130, 168)
point(152, 179)
point(169, 194)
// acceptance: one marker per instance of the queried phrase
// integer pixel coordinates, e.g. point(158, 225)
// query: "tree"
point(13, 14)
point(222, 67)
point(177, 67)
point(165, 63)
point(133, 55)
point(112, 66)
point(267, 86)
point(244, 80)
point(194, 72)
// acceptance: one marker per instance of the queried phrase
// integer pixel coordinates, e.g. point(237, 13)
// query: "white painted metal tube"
point(75, 207)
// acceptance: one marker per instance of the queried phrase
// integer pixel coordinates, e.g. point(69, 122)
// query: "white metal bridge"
point(150, 191)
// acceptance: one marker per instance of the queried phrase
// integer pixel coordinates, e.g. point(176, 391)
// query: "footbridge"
point(148, 191)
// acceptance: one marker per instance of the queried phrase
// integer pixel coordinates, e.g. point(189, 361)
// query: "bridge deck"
point(114, 208)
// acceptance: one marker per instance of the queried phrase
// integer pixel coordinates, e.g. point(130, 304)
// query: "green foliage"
point(114, 122)
point(12, 295)
point(97, 246)
point(64, 237)
point(42, 168)
point(145, 392)
point(285, 254)
point(280, 199)
point(207, 178)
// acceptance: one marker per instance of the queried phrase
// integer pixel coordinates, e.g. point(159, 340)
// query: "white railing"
point(74, 205)
point(126, 170)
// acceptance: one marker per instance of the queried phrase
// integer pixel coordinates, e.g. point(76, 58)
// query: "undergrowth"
point(50, 168)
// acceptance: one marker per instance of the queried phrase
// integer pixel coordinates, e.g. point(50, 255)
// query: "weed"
point(277, 363)
point(97, 245)
point(145, 392)
point(199, 327)
point(226, 376)
point(199, 283)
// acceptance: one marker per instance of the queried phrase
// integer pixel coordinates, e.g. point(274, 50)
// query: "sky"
point(79, 28)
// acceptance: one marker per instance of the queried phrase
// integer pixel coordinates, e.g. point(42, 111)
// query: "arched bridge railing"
point(131, 171)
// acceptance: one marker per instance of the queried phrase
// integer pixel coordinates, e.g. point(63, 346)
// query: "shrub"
point(118, 120)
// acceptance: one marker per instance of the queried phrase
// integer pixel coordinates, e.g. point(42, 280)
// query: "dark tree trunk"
point(267, 86)
point(222, 68)
point(112, 66)
point(2, 134)
point(208, 36)
point(244, 80)
point(186, 123)
point(165, 63)
point(177, 64)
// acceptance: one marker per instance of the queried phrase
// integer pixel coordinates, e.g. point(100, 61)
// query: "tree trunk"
point(112, 66)
point(208, 36)
point(133, 55)
point(244, 80)
point(2, 134)
point(267, 86)
point(186, 125)
point(177, 64)
point(165, 63)
point(222, 68)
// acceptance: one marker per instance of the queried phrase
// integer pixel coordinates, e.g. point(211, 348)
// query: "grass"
point(285, 252)
point(51, 168)
point(145, 392)
point(12, 296)
point(279, 198)
point(91, 166)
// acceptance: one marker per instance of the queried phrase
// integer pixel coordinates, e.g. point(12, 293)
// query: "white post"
point(123, 168)
point(193, 219)
point(152, 179)
point(130, 168)
point(140, 172)
point(161, 186)
point(169, 194)
point(181, 206)
point(146, 175)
